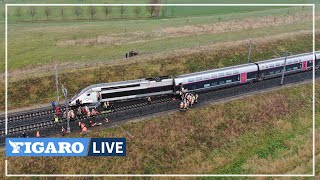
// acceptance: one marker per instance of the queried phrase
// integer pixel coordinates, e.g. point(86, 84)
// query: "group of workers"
point(79, 111)
point(188, 99)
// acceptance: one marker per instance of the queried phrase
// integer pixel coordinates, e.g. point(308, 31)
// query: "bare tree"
point(122, 10)
point(33, 12)
point(47, 12)
point(107, 10)
point(62, 12)
point(77, 11)
point(137, 10)
point(92, 11)
point(18, 12)
point(153, 10)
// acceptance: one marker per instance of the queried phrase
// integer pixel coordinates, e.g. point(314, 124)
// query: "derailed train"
point(211, 79)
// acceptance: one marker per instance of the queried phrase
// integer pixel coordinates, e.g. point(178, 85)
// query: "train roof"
point(111, 84)
point(217, 70)
point(282, 58)
point(135, 81)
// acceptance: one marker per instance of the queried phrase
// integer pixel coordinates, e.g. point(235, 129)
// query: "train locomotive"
point(193, 82)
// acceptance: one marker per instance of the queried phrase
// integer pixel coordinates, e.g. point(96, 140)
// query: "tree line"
point(91, 11)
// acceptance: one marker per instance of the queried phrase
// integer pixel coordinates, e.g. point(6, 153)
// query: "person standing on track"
point(63, 131)
point(149, 100)
point(196, 98)
point(38, 134)
point(53, 105)
point(56, 119)
point(84, 130)
point(79, 124)
point(57, 110)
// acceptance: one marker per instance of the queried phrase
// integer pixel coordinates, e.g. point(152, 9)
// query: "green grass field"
point(129, 12)
point(39, 44)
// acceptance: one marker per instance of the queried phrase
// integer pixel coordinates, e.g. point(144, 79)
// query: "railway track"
point(42, 119)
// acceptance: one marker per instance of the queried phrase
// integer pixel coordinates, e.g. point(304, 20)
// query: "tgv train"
point(211, 79)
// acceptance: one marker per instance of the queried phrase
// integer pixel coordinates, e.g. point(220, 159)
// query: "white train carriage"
point(88, 95)
point(274, 67)
point(217, 78)
point(124, 90)
point(136, 89)
point(317, 59)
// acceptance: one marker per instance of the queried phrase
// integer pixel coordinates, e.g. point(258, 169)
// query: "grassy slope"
point(41, 89)
point(269, 133)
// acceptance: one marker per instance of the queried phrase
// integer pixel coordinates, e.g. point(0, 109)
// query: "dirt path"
point(188, 30)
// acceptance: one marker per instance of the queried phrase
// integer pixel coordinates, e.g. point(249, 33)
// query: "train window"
point(222, 82)
point(278, 71)
point(296, 60)
point(213, 75)
point(271, 65)
point(191, 80)
point(228, 73)
point(282, 64)
point(214, 83)
point(221, 74)
point(277, 64)
point(206, 85)
point(236, 72)
point(271, 72)
point(199, 78)
point(289, 69)
point(229, 81)
point(294, 68)
point(289, 62)
point(206, 77)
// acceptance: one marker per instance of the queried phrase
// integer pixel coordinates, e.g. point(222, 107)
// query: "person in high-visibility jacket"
point(56, 119)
